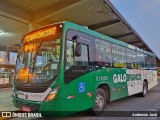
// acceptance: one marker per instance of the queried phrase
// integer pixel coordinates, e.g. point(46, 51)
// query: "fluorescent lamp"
point(1, 32)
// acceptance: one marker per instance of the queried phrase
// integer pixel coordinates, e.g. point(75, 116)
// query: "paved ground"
point(6, 100)
point(134, 103)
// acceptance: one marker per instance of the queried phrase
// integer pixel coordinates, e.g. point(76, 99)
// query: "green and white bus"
point(68, 67)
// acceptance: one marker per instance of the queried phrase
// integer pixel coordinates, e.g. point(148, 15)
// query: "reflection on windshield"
point(38, 62)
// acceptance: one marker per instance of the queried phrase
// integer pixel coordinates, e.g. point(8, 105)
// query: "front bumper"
point(19, 103)
point(51, 108)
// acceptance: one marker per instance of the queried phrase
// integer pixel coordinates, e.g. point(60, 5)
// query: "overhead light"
point(1, 32)
point(1, 59)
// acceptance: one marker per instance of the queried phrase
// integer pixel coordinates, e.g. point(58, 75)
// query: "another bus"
point(70, 68)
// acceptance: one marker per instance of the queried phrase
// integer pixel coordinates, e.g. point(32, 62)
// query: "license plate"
point(26, 109)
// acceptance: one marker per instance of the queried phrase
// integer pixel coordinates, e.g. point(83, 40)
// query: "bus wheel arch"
point(106, 88)
point(145, 80)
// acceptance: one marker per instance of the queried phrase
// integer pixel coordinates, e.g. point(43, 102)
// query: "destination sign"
point(40, 34)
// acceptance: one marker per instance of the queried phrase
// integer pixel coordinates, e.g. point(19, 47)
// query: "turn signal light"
point(52, 94)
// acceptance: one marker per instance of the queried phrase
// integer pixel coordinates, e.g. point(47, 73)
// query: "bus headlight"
point(52, 94)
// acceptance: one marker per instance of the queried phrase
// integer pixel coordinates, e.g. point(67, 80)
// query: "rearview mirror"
point(78, 49)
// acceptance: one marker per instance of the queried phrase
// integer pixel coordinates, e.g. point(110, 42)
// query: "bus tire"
point(145, 89)
point(100, 102)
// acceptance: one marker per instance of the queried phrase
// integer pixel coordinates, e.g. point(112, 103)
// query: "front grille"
point(37, 89)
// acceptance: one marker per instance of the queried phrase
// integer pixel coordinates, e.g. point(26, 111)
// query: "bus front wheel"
point(100, 102)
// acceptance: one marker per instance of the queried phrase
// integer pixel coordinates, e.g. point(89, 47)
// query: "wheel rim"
point(99, 102)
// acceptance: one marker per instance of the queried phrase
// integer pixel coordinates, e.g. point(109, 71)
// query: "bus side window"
point(147, 61)
point(103, 53)
point(118, 56)
point(153, 62)
point(150, 62)
point(131, 59)
point(140, 60)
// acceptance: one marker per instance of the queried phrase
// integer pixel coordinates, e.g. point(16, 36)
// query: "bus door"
point(79, 77)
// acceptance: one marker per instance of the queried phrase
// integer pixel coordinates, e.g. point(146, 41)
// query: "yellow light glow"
point(1, 59)
point(40, 34)
point(51, 96)
point(24, 74)
point(30, 47)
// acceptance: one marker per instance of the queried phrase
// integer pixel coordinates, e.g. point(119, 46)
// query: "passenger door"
point(79, 79)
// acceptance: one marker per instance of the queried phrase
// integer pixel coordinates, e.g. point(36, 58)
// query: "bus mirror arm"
point(78, 49)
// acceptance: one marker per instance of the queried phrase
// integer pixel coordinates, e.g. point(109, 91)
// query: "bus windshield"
point(38, 62)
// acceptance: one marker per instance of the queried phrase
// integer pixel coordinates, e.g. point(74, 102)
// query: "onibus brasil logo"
point(21, 115)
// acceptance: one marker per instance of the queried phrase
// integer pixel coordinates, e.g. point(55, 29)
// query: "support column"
point(31, 27)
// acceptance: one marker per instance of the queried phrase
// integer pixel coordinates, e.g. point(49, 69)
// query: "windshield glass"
point(38, 62)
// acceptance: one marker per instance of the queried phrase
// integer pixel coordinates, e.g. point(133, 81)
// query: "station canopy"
point(18, 17)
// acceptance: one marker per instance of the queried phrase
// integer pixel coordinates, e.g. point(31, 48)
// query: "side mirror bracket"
point(78, 49)
point(78, 46)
